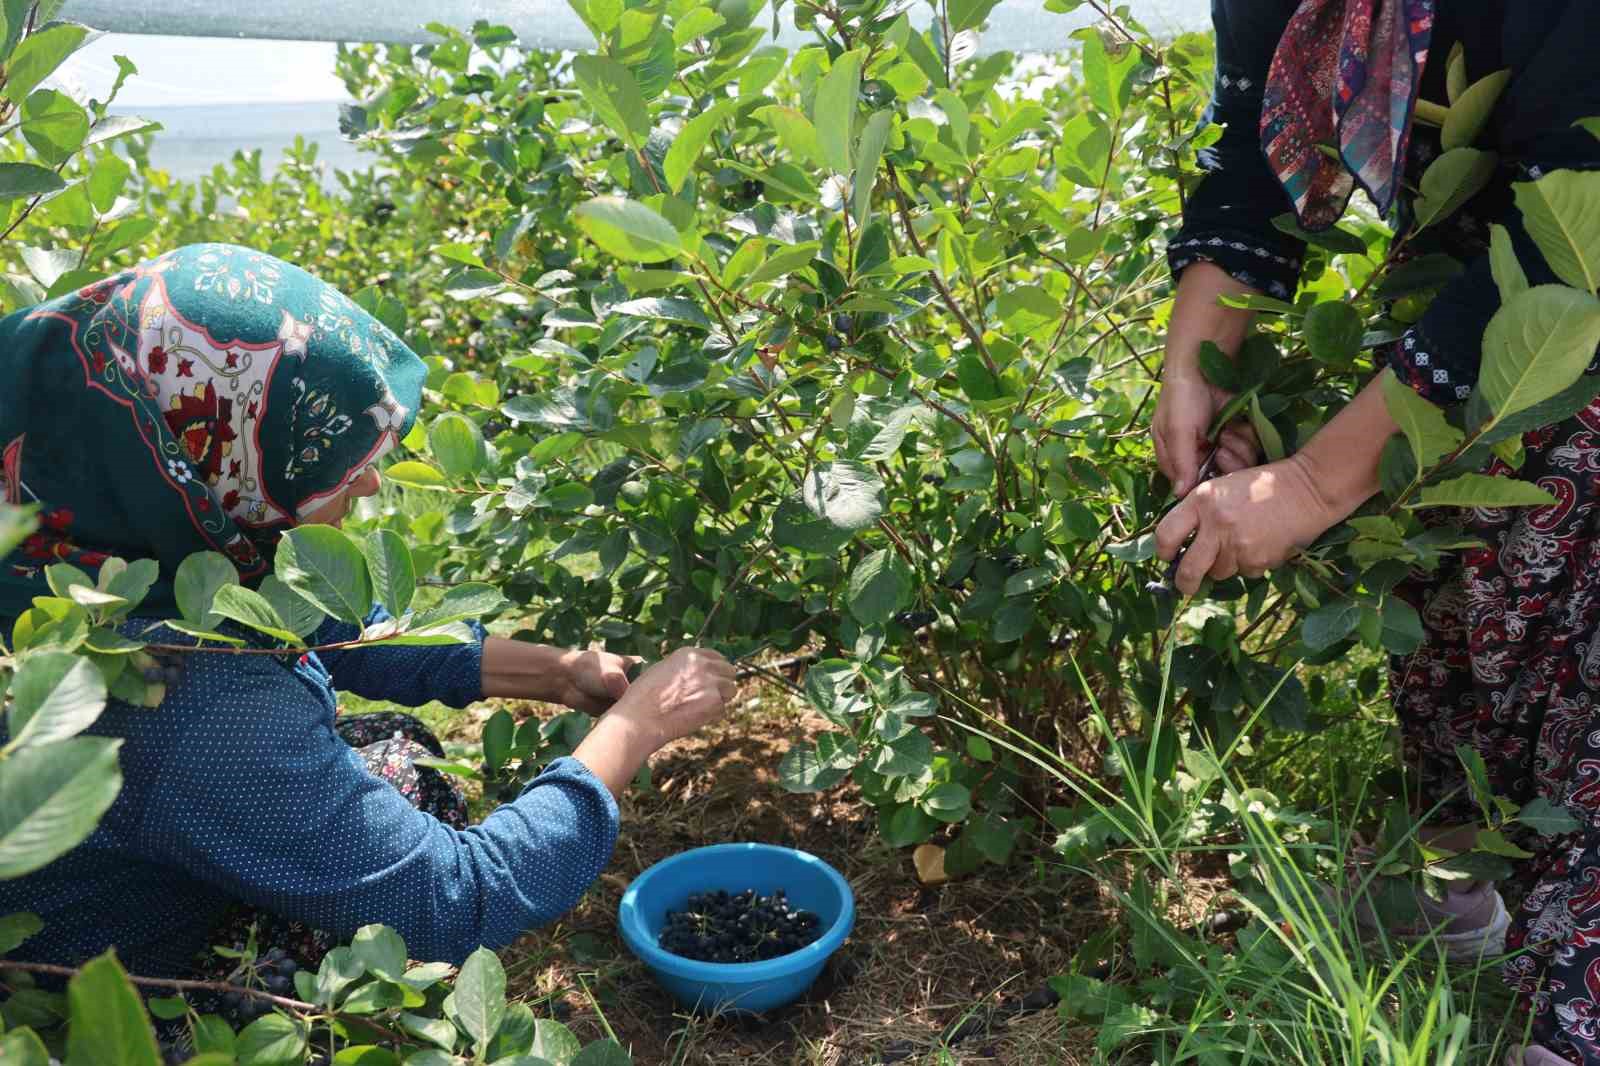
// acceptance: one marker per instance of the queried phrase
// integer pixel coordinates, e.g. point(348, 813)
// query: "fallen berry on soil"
point(719, 927)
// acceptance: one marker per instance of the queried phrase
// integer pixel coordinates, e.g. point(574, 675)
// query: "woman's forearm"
point(517, 670)
point(1341, 460)
point(614, 750)
point(1198, 316)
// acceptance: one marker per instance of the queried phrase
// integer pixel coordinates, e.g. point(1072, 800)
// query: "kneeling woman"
point(209, 400)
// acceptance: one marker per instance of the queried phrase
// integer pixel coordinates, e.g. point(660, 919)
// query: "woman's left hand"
point(1245, 523)
point(594, 680)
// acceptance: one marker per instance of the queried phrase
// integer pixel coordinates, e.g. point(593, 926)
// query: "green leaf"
point(847, 494)
point(324, 565)
point(1482, 490)
point(833, 110)
point(381, 950)
point(299, 616)
point(1218, 369)
point(795, 133)
point(795, 526)
point(815, 766)
point(1537, 345)
point(1450, 181)
point(272, 1040)
point(1509, 276)
point(1266, 432)
point(52, 797)
point(783, 262)
point(603, 1053)
point(691, 141)
point(1402, 627)
point(1495, 843)
point(1470, 112)
point(969, 14)
point(38, 56)
point(15, 929)
point(553, 1042)
point(107, 1024)
point(457, 443)
point(22, 1047)
point(948, 802)
point(394, 576)
point(880, 585)
point(54, 125)
point(627, 229)
point(664, 309)
point(498, 734)
point(1562, 215)
point(196, 583)
point(27, 180)
point(613, 92)
point(1431, 437)
point(1333, 332)
point(1546, 818)
point(250, 608)
point(874, 137)
point(54, 696)
point(415, 475)
point(480, 996)
point(1329, 624)
point(471, 599)
point(340, 968)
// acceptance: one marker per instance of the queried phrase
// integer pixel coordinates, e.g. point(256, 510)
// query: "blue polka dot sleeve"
point(449, 673)
point(262, 801)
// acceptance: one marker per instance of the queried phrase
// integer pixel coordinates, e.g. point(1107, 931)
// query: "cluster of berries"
point(272, 972)
point(718, 927)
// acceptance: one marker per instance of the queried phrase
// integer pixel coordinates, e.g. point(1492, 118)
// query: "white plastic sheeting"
point(1015, 25)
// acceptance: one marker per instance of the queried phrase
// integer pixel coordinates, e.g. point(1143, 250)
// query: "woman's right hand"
point(679, 695)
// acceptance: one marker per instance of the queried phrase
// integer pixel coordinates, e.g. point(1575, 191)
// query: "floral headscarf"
point(1339, 101)
point(205, 400)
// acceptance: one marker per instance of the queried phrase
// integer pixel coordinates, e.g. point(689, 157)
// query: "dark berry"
point(832, 342)
point(844, 324)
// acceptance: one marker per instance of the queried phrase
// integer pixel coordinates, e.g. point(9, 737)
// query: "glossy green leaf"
point(833, 110)
point(457, 444)
point(1333, 332)
point(54, 696)
point(1431, 437)
point(1450, 181)
point(249, 608)
point(1536, 345)
point(38, 56)
point(1561, 211)
point(613, 92)
point(415, 475)
point(1469, 112)
point(52, 797)
point(691, 141)
point(394, 575)
point(324, 565)
point(1482, 490)
point(107, 1026)
point(628, 229)
point(879, 586)
point(480, 996)
point(1509, 276)
point(196, 583)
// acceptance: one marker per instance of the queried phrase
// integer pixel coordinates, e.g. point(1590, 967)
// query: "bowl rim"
point(630, 923)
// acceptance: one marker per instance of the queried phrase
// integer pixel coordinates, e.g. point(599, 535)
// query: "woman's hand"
point(588, 681)
point(1189, 403)
point(682, 693)
point(1245, 523)
point(1184, 413)
point(594, 680)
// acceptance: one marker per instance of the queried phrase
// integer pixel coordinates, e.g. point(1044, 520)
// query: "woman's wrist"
point(615, 748)
point(1341, 461)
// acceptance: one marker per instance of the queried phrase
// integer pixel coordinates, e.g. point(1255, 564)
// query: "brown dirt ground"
point(919, 960)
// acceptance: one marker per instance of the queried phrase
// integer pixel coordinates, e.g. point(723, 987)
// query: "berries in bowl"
point(742, 927)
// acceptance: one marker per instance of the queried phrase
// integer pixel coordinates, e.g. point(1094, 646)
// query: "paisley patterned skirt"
point(1510, 666)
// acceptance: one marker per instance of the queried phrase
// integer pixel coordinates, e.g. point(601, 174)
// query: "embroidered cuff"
point(1247, 262)
point(1419, 363)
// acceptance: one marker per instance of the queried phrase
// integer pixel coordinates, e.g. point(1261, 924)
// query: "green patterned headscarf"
point(205, 400)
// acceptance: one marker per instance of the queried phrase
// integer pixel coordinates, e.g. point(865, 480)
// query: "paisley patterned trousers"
point(1510, 666)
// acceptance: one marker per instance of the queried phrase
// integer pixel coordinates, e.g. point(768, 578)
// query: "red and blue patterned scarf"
point(1339, 99)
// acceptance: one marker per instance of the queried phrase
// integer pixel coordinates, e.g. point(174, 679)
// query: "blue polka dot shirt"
point(237, 789)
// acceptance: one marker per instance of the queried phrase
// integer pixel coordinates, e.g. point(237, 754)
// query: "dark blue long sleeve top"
point(1546, 44)
point(236, 788)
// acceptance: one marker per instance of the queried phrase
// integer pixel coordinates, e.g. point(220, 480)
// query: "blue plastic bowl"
point(810, 883)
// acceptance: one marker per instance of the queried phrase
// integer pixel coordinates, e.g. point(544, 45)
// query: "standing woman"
point(1318, 98)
